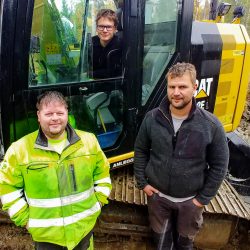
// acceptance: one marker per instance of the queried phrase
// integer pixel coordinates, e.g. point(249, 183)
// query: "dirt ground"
point(13, 238)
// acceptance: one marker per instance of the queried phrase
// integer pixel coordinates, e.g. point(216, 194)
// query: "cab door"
point(166, 41)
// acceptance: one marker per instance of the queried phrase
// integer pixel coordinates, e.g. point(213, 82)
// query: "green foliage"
point(65, 9)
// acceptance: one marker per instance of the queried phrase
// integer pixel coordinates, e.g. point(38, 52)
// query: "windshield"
point(61, 40)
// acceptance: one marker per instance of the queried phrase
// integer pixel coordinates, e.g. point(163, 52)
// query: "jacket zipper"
point(175, 138)
point(72, 171)
point(168, 120)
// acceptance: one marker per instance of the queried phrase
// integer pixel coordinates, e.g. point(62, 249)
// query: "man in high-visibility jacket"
point(55, 180)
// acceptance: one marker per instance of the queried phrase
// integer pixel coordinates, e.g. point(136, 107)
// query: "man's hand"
point(149, 190)
point(197, 203)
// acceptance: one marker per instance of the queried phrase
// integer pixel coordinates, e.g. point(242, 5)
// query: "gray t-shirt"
point(177, 121)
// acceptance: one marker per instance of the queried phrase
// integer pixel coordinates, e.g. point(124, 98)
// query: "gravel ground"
point(244, 128)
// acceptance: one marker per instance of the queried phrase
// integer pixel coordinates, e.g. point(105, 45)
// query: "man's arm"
point(11, 190)
point(142, 153)
point(101, 176)
point(217, 159)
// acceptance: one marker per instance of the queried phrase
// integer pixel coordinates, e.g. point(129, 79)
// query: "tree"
point(66, 11)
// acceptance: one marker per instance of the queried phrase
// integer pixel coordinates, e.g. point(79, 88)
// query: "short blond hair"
point(179, 69)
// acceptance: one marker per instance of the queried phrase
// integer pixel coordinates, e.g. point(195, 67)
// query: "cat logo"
point(203, 91)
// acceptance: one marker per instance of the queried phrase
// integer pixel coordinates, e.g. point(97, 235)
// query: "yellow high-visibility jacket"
point(56, 196)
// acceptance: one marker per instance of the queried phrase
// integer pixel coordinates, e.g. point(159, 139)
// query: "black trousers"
point(83, 244)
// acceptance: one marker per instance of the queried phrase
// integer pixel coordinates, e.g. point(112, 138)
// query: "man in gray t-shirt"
point(181, 159)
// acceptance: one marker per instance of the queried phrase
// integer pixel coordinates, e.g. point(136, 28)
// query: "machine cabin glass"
point(62, 45)
point(159, 42)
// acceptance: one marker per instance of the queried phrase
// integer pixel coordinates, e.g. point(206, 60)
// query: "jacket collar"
point(42, 141)
point(164, 108)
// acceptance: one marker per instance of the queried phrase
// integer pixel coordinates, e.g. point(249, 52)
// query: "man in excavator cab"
point(107, 46)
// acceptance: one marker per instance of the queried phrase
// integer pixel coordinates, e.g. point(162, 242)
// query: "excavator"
point(47, 45)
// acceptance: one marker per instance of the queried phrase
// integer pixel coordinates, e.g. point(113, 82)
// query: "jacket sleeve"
point(142, 152)
point(11, 189)
point(217, 159)
point(102, 181)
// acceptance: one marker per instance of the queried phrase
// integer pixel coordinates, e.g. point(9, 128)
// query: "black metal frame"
point(182, 54)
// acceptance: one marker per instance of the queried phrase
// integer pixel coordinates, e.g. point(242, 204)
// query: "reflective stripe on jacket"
point(57, 196)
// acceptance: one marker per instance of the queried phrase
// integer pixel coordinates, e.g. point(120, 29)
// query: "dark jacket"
point(107, 60)
point(192, 162)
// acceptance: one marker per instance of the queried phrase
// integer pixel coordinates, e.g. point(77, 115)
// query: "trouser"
point(83, 244)
point(174, 224)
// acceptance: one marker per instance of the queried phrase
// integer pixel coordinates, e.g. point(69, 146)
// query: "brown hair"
point(179, 69)
point(108, 13)
point(49, 96)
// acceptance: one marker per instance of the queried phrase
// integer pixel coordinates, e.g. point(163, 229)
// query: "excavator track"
point(227, 201)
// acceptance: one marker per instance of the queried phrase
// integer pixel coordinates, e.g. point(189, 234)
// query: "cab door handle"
point(83, 89)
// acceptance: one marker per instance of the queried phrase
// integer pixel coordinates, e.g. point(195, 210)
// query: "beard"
point(53, 133)
point(181, 104)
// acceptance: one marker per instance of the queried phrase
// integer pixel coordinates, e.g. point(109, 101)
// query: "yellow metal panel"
point(225, 88)
point(228, 42)
point(227, 66)
point(230, 74)
point(221, 109)
point(121, 157)
point(228, 127)
point(245, 77)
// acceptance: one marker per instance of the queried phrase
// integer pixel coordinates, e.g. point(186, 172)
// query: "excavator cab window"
point(61, 41)
point(159, 41)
